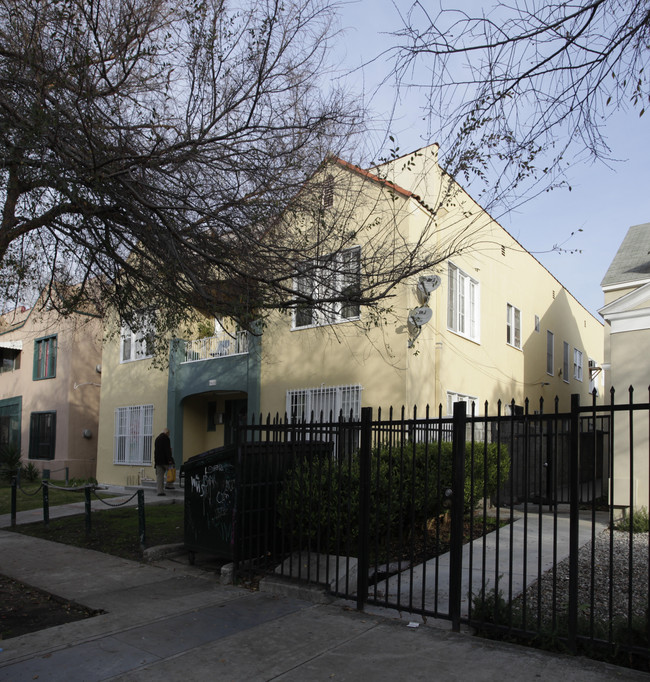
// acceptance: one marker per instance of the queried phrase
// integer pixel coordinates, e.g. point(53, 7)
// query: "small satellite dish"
point(425, 286)
point(420, 316)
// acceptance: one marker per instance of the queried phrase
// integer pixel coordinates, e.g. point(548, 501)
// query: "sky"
point(604, 201)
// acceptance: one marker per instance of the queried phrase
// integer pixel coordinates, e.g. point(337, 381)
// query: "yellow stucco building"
point(482, 320)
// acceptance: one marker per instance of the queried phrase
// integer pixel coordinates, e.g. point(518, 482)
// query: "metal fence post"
point(14, 486)
point(457, 511)
point(364, 506)
point(141, 523)
point(574, 518)
point(46, 503)
point(237, 530)
point(87, 507)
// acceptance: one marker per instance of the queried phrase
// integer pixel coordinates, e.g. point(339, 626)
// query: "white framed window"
point(324, 403)
point(463, 304)
point(133, 435)
point(513, 326)
point(550, 353)
point(565, 362)
point(327, 289)
point(577, 364)
point(461, 398)
point(137, 345)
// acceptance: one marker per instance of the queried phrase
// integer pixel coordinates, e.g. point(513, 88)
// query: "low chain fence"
point(89, 492)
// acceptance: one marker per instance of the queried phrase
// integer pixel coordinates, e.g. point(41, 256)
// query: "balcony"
point(222, 345)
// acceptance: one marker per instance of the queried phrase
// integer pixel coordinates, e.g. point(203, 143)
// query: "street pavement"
point(168, 620)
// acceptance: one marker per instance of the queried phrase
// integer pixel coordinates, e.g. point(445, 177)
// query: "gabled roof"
point(375, 178)
point(632, 260)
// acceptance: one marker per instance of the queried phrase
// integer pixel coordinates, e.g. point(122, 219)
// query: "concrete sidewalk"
point(169, 620)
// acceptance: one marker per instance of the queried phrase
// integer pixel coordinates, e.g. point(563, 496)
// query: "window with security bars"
point(133, 435)
point(324, 403)
point(461, 398)
point(42, 435)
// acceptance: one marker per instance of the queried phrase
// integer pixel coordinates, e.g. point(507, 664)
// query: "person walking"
point(162, 459)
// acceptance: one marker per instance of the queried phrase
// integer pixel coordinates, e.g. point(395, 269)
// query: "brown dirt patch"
point(26, 609)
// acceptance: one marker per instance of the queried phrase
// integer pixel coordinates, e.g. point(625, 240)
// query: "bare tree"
point(149, 147)
point(525, 90)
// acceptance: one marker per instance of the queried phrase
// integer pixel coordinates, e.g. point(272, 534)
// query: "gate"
point(478, 519)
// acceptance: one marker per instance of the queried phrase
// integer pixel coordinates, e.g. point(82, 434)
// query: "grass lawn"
point(114, 531)
point(30, 496)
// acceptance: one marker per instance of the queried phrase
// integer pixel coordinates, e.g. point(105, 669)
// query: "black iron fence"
point(505, 522)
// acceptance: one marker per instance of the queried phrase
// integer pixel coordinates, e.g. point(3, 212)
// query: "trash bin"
point(210, 502)
point(231, 496)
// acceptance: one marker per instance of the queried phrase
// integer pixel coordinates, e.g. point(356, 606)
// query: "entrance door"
point(236, 412)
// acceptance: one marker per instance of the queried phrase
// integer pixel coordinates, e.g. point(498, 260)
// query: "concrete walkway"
point(537, 541)
point(169, 620)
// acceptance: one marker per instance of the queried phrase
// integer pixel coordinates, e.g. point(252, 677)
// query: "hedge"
point(319, 502)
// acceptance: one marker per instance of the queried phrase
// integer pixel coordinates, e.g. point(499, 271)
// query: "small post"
point(88, 509)
point(67, 475)
point(46, 503)
point(14, 486)
point(574, 520)
point(141, 524)
point(364, 506)
point(457, 511)
point(46, 474)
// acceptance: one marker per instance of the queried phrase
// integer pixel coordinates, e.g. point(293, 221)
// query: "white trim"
point(513, 325)
point(463, 303)
point(627, 303)
point(626, 285)
point(629, 321)
point(12, 345)
point(578, 362)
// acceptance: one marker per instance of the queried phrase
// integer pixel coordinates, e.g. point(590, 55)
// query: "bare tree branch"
point(524, 91)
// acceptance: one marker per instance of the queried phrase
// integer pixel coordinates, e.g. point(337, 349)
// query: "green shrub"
point(30, 473)
point(9, 461)
point(640, 521)
point(320, 496)
point(79, 482)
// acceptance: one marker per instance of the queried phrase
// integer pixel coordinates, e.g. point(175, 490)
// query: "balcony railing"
point(220, 346)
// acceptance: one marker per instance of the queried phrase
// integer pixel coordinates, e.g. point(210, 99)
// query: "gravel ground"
point(620, 572)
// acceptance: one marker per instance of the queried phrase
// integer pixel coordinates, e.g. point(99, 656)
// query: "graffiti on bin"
point(216, 486)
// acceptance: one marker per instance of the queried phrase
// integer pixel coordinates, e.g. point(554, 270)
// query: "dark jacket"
point(162, 451)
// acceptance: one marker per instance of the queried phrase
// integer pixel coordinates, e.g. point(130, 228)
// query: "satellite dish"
point(425, 286)
point(420, 316)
